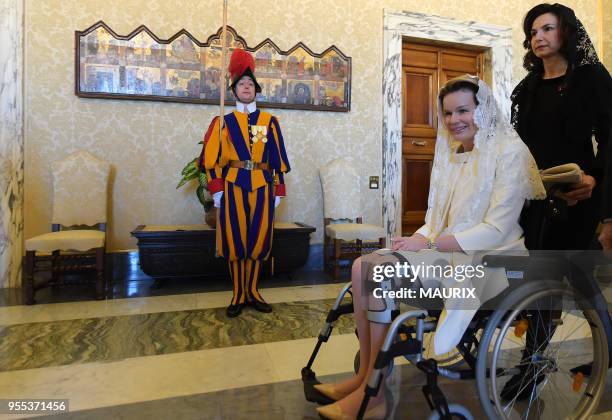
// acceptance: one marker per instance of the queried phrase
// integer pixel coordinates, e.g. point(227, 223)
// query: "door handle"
point(419, 143)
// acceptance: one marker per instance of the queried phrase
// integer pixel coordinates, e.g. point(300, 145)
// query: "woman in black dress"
point(565, 98)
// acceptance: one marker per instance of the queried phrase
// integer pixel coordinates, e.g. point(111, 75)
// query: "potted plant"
point(192, 172)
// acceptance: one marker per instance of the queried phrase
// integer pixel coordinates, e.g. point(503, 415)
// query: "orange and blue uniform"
point(248, 163)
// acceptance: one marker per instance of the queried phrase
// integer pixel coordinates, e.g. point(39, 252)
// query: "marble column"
point(399, 24)
point(11, 142)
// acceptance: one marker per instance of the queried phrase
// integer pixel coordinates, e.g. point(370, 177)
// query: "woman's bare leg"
point(351, 403)
point(360, 307)
point(376, 336)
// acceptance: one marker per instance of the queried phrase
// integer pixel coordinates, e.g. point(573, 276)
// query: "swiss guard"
point(245, 169)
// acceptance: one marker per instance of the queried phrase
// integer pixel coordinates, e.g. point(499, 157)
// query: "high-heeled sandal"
point(330, 391)
point(333, 412)
point(385, 410)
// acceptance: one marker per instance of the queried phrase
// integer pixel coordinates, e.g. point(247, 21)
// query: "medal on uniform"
point(259, 133)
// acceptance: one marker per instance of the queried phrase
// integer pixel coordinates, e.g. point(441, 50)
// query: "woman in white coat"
point(482, 175)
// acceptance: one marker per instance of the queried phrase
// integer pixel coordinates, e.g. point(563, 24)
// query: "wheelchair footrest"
point(433, 394)
point(309, 380)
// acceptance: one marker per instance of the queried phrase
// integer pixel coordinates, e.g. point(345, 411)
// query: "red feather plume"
point(239, 62)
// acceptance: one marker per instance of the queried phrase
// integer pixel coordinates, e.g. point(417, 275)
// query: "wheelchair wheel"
point(539, 333)
point(456, 411)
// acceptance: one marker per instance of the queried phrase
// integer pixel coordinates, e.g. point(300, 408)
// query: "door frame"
point(396, 26)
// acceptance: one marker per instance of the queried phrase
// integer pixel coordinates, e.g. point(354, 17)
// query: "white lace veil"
point(495, 141)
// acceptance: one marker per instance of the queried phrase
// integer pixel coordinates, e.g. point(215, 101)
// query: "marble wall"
point(148, 143)
point(11, 142)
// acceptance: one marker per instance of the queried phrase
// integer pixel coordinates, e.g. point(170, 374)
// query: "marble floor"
point(170, 353)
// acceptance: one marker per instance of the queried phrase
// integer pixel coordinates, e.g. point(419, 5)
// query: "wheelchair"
point(541, 309)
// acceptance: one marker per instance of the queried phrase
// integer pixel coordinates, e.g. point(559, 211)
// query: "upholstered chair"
point(77, 240)
point(345, 236)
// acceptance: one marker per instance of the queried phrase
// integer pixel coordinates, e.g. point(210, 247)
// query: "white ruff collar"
point(252, 107)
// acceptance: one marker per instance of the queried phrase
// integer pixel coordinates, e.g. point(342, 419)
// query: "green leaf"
point(201, 193)
point(191, 167)
point(190, 171)
point(203, 179)
point(186, 179)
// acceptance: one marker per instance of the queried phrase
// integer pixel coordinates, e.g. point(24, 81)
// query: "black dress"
point(557, 118)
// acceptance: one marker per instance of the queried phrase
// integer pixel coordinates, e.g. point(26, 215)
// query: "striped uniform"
point(244, 233)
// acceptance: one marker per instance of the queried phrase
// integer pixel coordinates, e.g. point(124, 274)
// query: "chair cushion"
point(66, 240)
point(352, 231)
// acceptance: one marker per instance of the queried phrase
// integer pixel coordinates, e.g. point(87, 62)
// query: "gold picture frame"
point(141, 66)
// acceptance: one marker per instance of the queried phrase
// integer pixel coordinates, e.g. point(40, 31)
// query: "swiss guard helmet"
point(242, 64)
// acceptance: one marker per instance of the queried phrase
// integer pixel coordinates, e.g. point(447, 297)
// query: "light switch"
point(373, 182)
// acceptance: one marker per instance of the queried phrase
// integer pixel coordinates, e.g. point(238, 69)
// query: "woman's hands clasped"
point(581, 191)
point(447, 243)
point(413, 243)
point(416, 242)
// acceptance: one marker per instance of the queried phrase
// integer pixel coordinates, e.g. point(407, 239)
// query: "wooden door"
point(424, 69)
